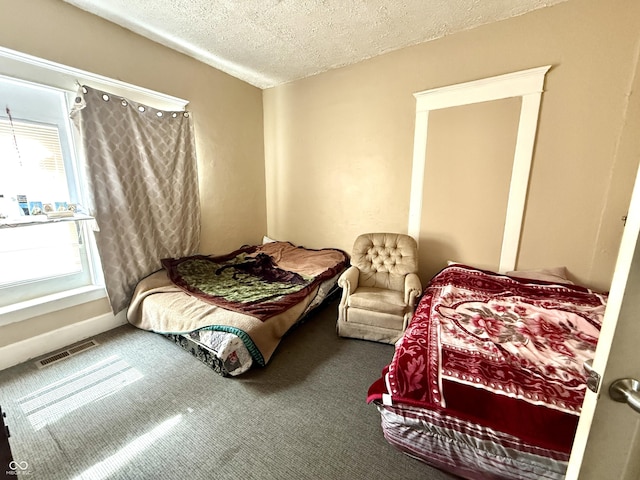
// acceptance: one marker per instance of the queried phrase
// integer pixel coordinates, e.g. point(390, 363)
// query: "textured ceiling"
point(271, 42)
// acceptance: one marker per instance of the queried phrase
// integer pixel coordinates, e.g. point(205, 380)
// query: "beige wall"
point(470, 152)
point(42, 324)
point(227, 116)
point(338, 146)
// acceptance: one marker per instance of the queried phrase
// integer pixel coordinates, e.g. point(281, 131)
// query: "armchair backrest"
point(384, 259)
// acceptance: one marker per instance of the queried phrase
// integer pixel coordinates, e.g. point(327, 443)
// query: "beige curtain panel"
point(143, 186)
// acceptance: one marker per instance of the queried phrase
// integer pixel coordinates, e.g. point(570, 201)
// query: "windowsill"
point(50, 303)
point(40, 220)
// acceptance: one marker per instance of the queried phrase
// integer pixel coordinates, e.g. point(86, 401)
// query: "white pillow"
point(555, 274)
point(266, 239)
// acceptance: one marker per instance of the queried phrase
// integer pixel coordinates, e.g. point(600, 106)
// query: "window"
point(38, 171)
point(38, 92)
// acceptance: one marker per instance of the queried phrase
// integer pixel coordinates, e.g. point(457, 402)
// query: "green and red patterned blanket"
point(259, 280)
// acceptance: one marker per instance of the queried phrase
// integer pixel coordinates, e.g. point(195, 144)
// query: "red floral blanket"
point(502, 351)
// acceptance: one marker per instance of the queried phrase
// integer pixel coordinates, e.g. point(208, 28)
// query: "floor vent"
point(56, 357)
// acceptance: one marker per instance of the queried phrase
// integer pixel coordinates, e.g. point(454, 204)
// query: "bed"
point(488, 381)
point(232, 310)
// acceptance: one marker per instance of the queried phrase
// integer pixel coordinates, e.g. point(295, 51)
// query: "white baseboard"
point(39, 345)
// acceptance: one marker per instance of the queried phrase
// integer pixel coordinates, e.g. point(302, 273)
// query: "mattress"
point(465, 448)
point(228, 353)
point(488, 379)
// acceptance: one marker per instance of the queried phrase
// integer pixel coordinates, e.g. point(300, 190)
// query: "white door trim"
point(527, 84)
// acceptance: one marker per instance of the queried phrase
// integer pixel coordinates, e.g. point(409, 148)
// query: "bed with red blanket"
point(488, 379)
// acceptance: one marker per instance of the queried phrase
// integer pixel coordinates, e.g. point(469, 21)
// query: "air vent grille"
point(56, 357)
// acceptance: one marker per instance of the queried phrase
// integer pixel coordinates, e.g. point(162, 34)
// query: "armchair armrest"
point(348, 281)
point(412, 289)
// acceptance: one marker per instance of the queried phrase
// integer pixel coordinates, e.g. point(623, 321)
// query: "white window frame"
point(43, 72)
point(54, 114)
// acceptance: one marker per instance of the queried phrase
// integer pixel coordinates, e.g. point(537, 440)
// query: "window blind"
point(23, 136)
point(31, 161)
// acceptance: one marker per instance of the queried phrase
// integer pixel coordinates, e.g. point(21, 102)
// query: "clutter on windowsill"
point(37, 213)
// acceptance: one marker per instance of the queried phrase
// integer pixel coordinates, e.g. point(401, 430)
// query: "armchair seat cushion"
point(379, 300)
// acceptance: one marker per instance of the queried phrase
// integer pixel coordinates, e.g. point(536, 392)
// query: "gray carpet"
point(139, 407)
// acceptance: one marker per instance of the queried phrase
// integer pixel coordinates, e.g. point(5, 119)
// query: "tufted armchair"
point(380, 288)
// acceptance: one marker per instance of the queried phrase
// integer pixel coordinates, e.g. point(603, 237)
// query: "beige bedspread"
point(173, 311)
